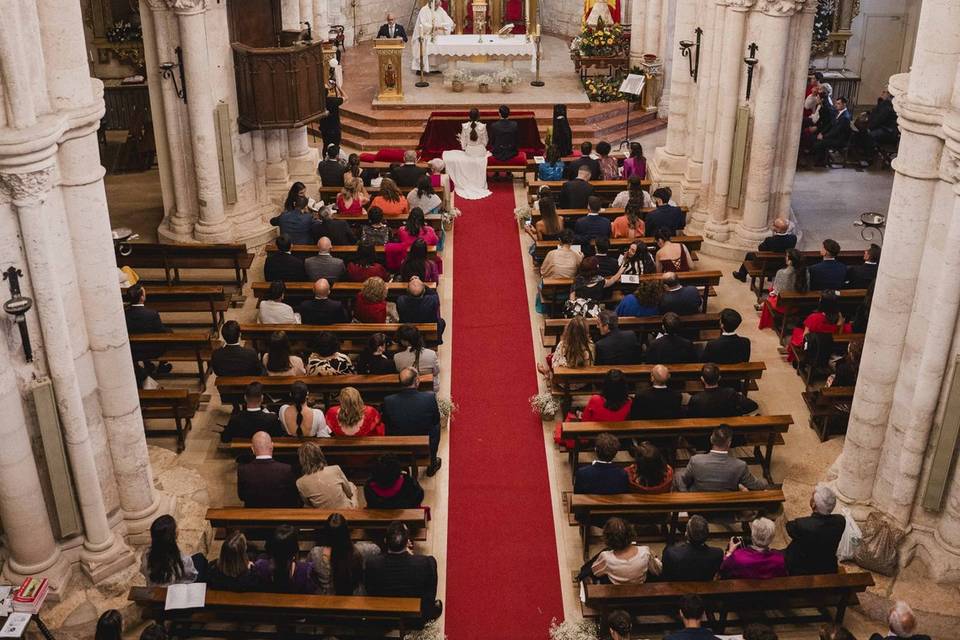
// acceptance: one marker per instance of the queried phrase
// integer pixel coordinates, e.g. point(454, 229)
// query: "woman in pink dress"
point(636, 164)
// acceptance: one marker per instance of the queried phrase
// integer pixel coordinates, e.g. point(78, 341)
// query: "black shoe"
point(164, 368)
point(739, 275)
point(434, 467)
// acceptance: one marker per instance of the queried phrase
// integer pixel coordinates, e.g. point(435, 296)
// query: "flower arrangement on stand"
point(544, 405)
point(507, 79)
point(601, 40)
point(483, 82)
point(458, 78)
point(583, 629)
point(603, 88)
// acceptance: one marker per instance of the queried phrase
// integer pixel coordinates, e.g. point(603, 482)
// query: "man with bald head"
point(658, 401)
point(780, 240)
point(324, 265)
point(902, 623)
point(420, 304)
point(414, 413)
point(322, 310)
point(264, 483)
point(391, 29)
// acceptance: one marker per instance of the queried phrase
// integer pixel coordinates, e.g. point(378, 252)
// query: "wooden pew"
point(767, 430)
point(554, 289)
point(605, 189)
point(434, 220)
point(589, 510)
point(181, 347)
point(829, 409)
point(797, 305)
point(329, 194)
point(352, 452)
point(283, 612)
point(189, 298)
point(344, 251)
point(569, 216)
point(369, 524)
point(174, 258)
point(373, 388)
point(619, 245)
point(340, 290)
point(302, 334)
point(553, 327)
point(766, 263)
point(808, 370)
point(179, 405)
point(721, 597)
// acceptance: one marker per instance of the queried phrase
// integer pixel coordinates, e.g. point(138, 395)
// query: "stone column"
point(651, 27)
point(277, 175)
point(670, 160)
point(212, 225)
point(637, 41)
point(699, 106)
point(157, 115)
point(321, 21)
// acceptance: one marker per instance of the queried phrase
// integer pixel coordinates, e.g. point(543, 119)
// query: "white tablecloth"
point(468, 45)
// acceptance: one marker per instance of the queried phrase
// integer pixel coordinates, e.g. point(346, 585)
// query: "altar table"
point(443, 127)
point(493, 47)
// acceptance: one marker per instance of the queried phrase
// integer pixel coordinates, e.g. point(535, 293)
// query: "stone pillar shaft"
point(638, 42)
point(651, 27)
point(680, 83)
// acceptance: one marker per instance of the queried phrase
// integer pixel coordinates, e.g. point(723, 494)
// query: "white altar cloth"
point(492, 46)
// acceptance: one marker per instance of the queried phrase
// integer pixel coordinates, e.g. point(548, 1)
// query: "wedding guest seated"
point(754, 559)
point(163, 564)
point(592, 225)
point(550, 225)
point(691, 614)
point(337, 230)
point(814, 539)
point(758, 631)
point(717, 470)
point(282, 264)
point(682, 300)
point(109, 626)
point(399, 573)
point(602, 476)
point(232, 359)
point(141, 319)
point(552, 169)
point(322, 310)
point(300, 419)
point(613, 402)
point(364, 264)
point(634, 195)
point(412, 412)
point(324, 265)
point(370, 305)
point(352, 417)
point(665, 215)
point(389, 199)
point(861, 276)
point(408, 174)
point(233, 570)
point(902, 624)
point(649, 473)
point(252, 418)
point(671, 256)
point(692, 560)
point(280, 571)
point(326, 359)
point(670, 347)
point(609, 169)
point(390, 487)
point(154, 631)
point(622, 561)
point(417, 264)
point(828, 273)
point(414, 354)
point(716, 401)
point(423, 197)
point(374, 360)
point(630, 224)
point(330, 168)
point(415, 228)
point(637, 260)
point(861, 316)
point(846, 370)
point(589, 288)
point(273, 310)
point(376, 231)
point(295, 221)
point(563, 261)
point(351, 198)
point(658, 401)
point(322, 485)
point(635, 164)
point(441, 181)
point(619, 625)
point(574, 349)
point(825, 319)
point(616, 346)
point(420, 305)
point(791, 278)
point(781, 240)
point(576, 192)
point(607, 264)
point(729, 348)
point(265, 483)
point(337, 561)
point(587, 161)
point(354, 171)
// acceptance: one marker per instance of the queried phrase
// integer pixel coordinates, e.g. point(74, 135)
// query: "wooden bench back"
point(678, 426)
point(675, 501)
point(345, 251)
point(648, 324)
point(372, 388)
point(340, 290)
point(693, 244)
point(358, 331)
point(313, 519)
point(171, 257)
point(640, 373)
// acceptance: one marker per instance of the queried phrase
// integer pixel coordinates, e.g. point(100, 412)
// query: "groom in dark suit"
point(503, 137)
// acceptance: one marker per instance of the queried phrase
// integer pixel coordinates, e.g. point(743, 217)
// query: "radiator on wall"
point(67, 521)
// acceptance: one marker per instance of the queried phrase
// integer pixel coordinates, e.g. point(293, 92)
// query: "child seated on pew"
point(163, 563)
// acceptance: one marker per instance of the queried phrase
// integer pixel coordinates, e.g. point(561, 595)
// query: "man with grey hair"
point(408, 174)
point(902, 624)
point(814, 538)
point(692, 559)
point(780, 240)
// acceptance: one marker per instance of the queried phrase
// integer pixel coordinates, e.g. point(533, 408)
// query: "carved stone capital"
point(738, 5)
point(781, 8)
point(156, 5)
point(26, 187)
point(188, 6)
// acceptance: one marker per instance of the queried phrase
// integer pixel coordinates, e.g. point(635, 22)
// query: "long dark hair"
point(651, 467)
point(636, 150)
point(800, 279)
point(424, 188)
point(278, 352)
point(282, 547)
point(415, 264)
point(292, 195)
point(829, 305)
point(632, 211)
point(109, 626)
point(365, 360)
point(353, 165)
point(642, 261)
point(366, 254)
point(410, 335)
point(415, 219)
point(562, 135)
point(474, 119)
point(164, 563)
point(548, 213)
point(615, 390)
point(553, 154)
point(298, 395)
point(345, 563)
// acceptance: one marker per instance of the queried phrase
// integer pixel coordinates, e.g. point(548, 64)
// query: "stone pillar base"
point(138, 524)
point(220, 232)
point(166, 234)
point(717, 231)
point(57, 572)
point(748, 237)
point(666, 168)
point(690, 183)
point(277, 174)
point(304, 168)
point(252, 226)
point(99, 565)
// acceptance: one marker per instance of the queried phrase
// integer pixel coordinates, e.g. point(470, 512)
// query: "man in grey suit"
point(717, 470)
point(324, 265)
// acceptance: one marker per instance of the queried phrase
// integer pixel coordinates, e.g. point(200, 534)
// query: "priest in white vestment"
point(431, 21)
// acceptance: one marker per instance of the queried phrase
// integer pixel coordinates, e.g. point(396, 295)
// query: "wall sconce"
point(751, 61)
point(308, 37)
point(166, 71)
point(694, 60)
point(17, 306)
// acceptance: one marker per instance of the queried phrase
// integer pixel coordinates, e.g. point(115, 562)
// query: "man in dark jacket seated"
point(419, 305)
point(576, 192)
point(602, 476)
point(252, 418)
point(323, 310)
point(141, 319)
point(692, 560)
point(729, 348)
point(861, 276)
point(264, 483)
point(684, 300)
point(828, 274)
point(716, 401)
point(585, 160)
point(400, 573)
point(233, 359)
point(282, 265)
point(658, 401)
point(671, 347)
point(616, 345)
point(780, 241)
point(337, 229)
point(665, 215)
point(330, 169)
point(412, 412)
point(814, 538)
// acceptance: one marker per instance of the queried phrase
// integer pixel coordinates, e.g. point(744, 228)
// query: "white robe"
point(429, 22)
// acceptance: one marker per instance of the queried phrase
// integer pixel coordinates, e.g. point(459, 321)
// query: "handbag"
point(851, 538)
point(877, 550)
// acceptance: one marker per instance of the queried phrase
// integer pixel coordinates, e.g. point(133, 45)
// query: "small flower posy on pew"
point(449, 217)
point(523, 214)
point(583, 629)
point(447, 408)
point(544, 405)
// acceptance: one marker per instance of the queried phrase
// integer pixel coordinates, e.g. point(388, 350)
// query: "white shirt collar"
point(723, 453)
point(233, 344)
point(264, 458)
point(659, 386)
point(139, 304)
point(726, 333)
point(602, 462)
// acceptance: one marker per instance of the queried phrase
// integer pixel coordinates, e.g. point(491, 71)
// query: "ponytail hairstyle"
point(409, 336)
point(299, 393)
point(474, 119)
point(353, 165)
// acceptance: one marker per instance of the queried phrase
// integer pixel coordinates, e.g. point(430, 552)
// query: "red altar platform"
point(443, 127)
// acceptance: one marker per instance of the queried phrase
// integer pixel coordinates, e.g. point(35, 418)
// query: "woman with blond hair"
point(352, 417)
point(351, 198)
point(370, 304)
point(390, 200)
point(323, 486)
point(575, 349)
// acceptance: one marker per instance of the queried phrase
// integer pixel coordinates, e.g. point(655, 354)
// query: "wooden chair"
point(179, 405)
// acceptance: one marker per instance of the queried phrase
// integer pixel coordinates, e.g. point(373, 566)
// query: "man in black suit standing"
point(391, 29)
point(576, 193)
point(616, 346)
point(503, 136)
point(414, 413)
point(140, 319)
point(729, 348)
point(322, 310)
point(264, 483)
point(399, 573)
point(716, 401)
point(282, 265)
point(780, 241)
point(692, 560)
point(671, 347)
point(814, 539)
point(586, 159)
point(665, 215)
point(658, 401)
point(861, 276)
point(408, 174)
point(252, 418)
point(837, 136)
point(330, 169)
point(602, 476)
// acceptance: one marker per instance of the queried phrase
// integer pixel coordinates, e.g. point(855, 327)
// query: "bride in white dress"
point(468, 168)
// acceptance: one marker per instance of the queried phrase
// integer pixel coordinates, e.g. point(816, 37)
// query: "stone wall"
point(561, 17)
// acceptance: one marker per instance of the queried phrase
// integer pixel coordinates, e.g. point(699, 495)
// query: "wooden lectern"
point(389, 54)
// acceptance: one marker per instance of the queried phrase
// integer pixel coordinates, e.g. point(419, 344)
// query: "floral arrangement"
point(459, 75)
point(602, 40)
point(507, 76)
point(546, 406)
point(449, 217)
point(603, 88)
point(523, 214)
point(484, 78)
point(447, 408)
point(583, 629)
point(123, 31)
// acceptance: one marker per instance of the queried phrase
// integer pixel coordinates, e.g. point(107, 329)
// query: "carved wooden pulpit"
point(389, 52)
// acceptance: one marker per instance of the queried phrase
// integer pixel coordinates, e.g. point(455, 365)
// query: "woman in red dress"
point(370, 304)
point(353, 418)
point(612, 404)
point(793, 277)
point(364, 264)
point(671, 256)
point(826, 319)
point(350, 200)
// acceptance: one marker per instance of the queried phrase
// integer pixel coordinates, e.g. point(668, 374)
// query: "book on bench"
point(186, 596)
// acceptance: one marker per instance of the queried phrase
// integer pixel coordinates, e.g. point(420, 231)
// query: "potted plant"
point(458, 79)
point(507, 79)
point(483, 82)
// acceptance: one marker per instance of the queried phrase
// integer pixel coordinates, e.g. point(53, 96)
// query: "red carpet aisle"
point(502, 579)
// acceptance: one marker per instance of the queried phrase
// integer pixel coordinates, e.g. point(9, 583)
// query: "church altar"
point(482, 48)
point(443, 127)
